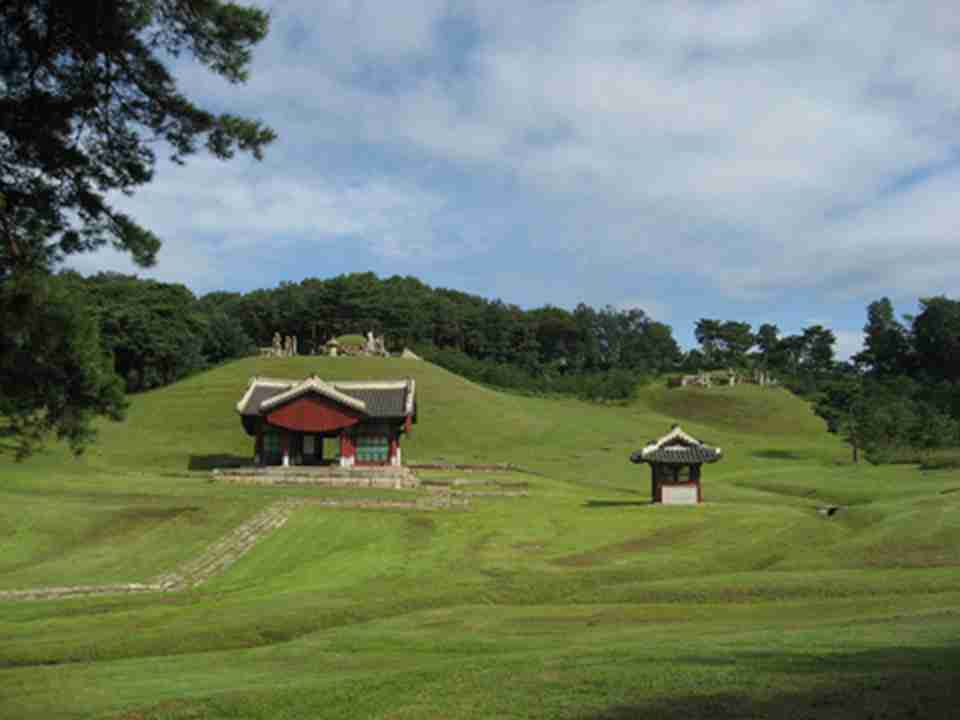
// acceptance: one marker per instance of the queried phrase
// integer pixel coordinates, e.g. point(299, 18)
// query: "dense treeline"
point(899, 399)
point(800, 361)
point(159, 332)
point(587, 352)
point(896, 400)
point(155, 332)
point(412, 314)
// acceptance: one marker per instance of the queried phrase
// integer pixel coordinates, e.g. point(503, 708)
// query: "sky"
point(784, 162)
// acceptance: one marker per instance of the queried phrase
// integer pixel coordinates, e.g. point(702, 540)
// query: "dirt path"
point(226, 551)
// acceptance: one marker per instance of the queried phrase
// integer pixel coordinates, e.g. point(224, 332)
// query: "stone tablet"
point(679, 495)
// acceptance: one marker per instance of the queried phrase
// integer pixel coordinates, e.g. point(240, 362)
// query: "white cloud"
point(759, 146)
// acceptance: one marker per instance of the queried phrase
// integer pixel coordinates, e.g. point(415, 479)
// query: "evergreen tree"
point(54, 375)
point(886, 344)
point(85, 94)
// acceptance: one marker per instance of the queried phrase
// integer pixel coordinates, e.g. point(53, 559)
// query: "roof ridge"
point(314, 383)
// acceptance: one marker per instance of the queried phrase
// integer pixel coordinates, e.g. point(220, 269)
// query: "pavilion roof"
point(677, 448)
point(375, 398)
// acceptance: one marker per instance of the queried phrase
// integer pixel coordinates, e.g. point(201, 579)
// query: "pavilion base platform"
point(395, 477)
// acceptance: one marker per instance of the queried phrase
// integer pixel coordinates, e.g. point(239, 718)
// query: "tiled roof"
point(377, 399)
point(678, 455)
point(314, 386)
point(678, 448)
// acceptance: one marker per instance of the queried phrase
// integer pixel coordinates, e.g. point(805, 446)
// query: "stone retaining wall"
point(380, 477)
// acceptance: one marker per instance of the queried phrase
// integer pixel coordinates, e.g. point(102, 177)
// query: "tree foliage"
point(725, 344)
point(158, 332)
point(86, 98)
point(86, 95)
point(901, 396)
point(843, 406)
point(54, 375)
point(885, 341)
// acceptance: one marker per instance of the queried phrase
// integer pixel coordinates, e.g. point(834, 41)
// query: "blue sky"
point(783, 162)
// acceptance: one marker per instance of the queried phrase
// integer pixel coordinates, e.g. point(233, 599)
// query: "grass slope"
point(579, 601)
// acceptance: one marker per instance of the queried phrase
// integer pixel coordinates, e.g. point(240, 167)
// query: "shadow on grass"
point(211, 462)
point(779, 454)
point(885, 683)
point(8, 444)
point(615, 503)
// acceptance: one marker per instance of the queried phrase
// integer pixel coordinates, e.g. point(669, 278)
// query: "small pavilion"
point(290, 419)
point(675, 461)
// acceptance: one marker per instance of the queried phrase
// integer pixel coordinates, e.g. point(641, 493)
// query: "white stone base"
point(346, 462)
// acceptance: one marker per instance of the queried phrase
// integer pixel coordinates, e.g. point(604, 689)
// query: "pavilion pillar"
point(318, 449)
point(258, 458)
point(394, 449)
point(347, 450)
point(285, 447)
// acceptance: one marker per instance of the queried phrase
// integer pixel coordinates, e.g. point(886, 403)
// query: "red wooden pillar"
point(285, 448)
point(348, 451)
point(318, 449)
point(394, 458)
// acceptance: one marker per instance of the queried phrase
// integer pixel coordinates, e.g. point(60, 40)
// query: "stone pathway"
point(226, 551)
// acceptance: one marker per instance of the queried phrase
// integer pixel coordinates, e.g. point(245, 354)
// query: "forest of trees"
point(895, 401)
point(899, 399)
point(88, 103)
point(158, 332)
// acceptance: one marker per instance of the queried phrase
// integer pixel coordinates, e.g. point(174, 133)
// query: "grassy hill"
point(578, 601)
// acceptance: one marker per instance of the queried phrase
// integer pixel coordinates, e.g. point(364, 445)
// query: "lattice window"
point(373, 448)
point(271, 444)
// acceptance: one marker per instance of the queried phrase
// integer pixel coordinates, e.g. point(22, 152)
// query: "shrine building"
point(289, 420)
point(675, 461)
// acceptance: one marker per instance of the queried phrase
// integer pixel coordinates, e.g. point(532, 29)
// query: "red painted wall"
point(310, 413)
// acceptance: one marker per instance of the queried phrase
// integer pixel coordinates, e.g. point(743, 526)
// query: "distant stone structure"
point(409, 354)
point(702, 379)
point(331, 347)
point(371, 346)
point(375, 346)
point(730, 378)
point(763, 378)
point(281, 346)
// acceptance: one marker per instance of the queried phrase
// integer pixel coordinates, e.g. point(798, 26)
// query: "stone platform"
point(327, 475)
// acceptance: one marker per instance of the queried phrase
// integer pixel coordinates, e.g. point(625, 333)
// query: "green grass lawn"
point(579, 600)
